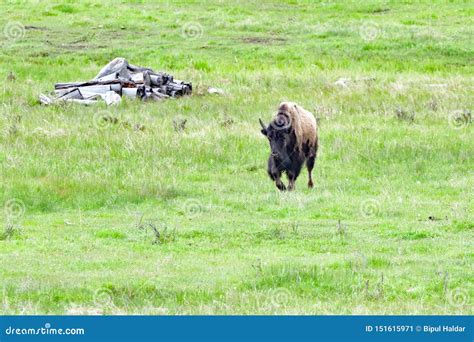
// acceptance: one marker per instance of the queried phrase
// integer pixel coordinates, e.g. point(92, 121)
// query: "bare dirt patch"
point(262, 40)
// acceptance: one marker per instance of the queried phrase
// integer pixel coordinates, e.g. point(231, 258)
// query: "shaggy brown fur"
point(293, 139)
point(302, 121)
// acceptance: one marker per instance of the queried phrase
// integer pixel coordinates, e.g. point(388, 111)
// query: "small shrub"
point(404, 115)
point(10, 232)
point(159, 236)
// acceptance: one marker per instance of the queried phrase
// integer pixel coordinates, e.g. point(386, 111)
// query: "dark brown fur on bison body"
point(293, 141)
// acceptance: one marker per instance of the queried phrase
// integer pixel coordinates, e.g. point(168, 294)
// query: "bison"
point(293, 140)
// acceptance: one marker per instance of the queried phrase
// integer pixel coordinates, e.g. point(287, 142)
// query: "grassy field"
point(102, 218)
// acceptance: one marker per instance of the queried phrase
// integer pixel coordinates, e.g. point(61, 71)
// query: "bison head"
point(281, 138)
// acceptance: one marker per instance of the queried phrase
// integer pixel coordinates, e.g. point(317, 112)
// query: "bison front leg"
point(275, 174)
point(279, 184)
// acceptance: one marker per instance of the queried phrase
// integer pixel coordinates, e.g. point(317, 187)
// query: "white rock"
point(45, 100)
point(217, 91)
point(112, 98)
point(343, 82)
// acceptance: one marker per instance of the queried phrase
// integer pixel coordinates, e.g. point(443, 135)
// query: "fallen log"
point(124, 79)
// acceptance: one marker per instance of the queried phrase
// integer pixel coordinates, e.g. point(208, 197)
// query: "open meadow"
point(138, 216)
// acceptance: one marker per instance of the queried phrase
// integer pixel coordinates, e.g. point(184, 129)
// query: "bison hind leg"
point(310, 164)
point(292, 179)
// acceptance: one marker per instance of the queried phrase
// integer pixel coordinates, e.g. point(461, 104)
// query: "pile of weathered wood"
point(120, 78)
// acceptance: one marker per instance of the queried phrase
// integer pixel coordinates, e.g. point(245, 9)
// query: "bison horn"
point(262, 124)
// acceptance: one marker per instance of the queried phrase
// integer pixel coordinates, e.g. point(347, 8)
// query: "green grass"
point(101, 218)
